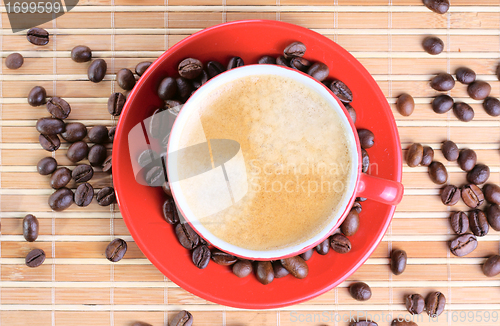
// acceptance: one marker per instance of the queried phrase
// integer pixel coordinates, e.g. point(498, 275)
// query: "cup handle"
point(382, 190)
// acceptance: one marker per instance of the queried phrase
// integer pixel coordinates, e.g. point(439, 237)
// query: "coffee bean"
point(125, 79)
point(438, 173)
point(267, 59)
point(264, 272)
point(479, 90)
point(214, 68)
point(433, 45)
point(46, 165)
point(58, 107)
point(492, 106)
point(77, 151)
point(115, 250)
point(166, 188)
point(295, 49)
point(141, 67)
point(442, 82)
point(472, 196)
point(450, 150)
point(491, 266)
point(415, 304)
point(184, 88)
point(492, 193)
point(190, 68)
point(324, 247)
point(14, 61)
point(478, 223)
point(459, 222)
point(97, 70)
point(155, 176)
point(351, 111)
point(465, 75)
point(299, 63)
point(37, 96)
point(30, 228)
point(38, 36)
point(111, 133)
point(106, 166)
point(61, 199)
point(197, 83)
point(223, 258)
point(360, 291)
point(398, 261)
point(35, 258)
point(365, 161)
point(81, 53)
point(74, 132)
point(279, 270)
point(296, 266)
point(428, 156)
point(167, 88)
point(97, 155)
point(116, 101)
point(84, 194)
point(351, 224)
point(414, 155)
point(438, 6)
point(340, 243)
point(235, 62)
point(242, 268)
point(479, 174)
point(320, 72)
point(463, 245)
point(442, 103)
point(282, 61)
point(182, 318)
point(60, 178)
point(170, 211)
point(98, 134)
point(463, 111)
point(341, 91)
point(306, 255)
point(363, 323)
point(188, 238)
point(366, 138)
point(50, 126)
point(82, 173)
point(201, 256)
point(397, 322)
point(434, 304)
point(106, 196)
point(405, 104)
point(467, 159)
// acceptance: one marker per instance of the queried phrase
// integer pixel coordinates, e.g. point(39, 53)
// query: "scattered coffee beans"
point(279, 270)
point(351, 224)
point(281, 61)
point(467, 159)
point(77, 151)
point(106, 166)
point(125, 79)
point(115, 104)
point(97, 70)
point(166, 188)
point(223, 258)
point(324, 247)
point(116, 249)
point(58, 107)
point(214, 68)
point(351, 111)
point(459, 222)
point(306, 255)
point(492, 106)
point(341, 90)
point(365, 160)
point(81, 53)
point(37, 96)
point(35, 258)
point(201, 256)
point(167, 88)
point(84, 194)
point(340, 243)
point(243, 268)
point(433, 45)
point(111, 134)
point(182, 318)
point(188, 238)
point(97, 155)
point(438, 173)
point(472, 196)
point(434, 304)
point(366, 138)
point(405, 104)
point(463, 245)
point(267, 59)
point(14, 61)
point(442, 103)
point(295, 49)
point(142, 67)
point(50, 126)
point(38, 36)
point(30, 228)
point(264, 272)
point(493, 216)
point(74, 132)
point(61, 199)
point(190, 68)
point(170, 212)
point(98, 134)
point(443, 82)
point(46, 165)
point(106, 196)
point(414, 155)
point(478, 223)
point(491, 266)
point(438, 6)
point(320, 72)
point(235, 62)
point(82, 173)
point(450, 150)
point(296, 266)
point(492, 193)
point(300, 63)
point(428, 156)
point(60, 178)
point(398, 261)
point(49, 142)
point(415, 304)
point(463, 111)
point(465, 75)
point(479, 174)
point(479, 90)
point(360, 291)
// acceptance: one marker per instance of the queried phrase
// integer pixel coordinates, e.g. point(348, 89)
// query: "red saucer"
point(141, 205)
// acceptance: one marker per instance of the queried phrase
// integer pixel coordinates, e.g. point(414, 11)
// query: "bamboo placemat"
point(78, 286)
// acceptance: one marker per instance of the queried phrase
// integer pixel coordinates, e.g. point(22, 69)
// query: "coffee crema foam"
point(296, 156)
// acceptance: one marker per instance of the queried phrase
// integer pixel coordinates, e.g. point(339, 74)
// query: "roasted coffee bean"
point(155, 176)
point(74, 132)
point(38, 36)
point(184, 88)
point(491, 266)
point(467, 159)
point(223, 258)
point(50, 126)
point(116, 101)
point(428, 156)
point(77, 151)
point(61, 199)
point(479, 90)
point(146, 157)
point(106, 196)
point(141, 67)
point(450, 150)
point(340, 243)
point(200, 80)
point(190, 68)
point(478, 223)
point(49, 142)
point(296, 266)
point(98, 134)
point(188, 238)
point(443, 82)
point(125, 78)
point(111, 133)
point(242, 268)
point(306, 255)
point(37, 96)
point(14, 61)
point(60, 178)
point(363, 323)
point(492, 193)
point(282, 61)
point(492, 106)
point(351, 111)
point(414, 155)
point(201, 256)
point(324, 247)
point(300, 63)
point(235, 62)
point(182, 318)
point(46, 165)
point(398, 261)
point(320, 71)
point(279, 270)
point(295, 49)
point(84, 194)
point(106, 166)
point(58, 107)
point(405, 104)
point(341, 91)
point(438, 6)
point(97, 155)
point(465, 75)
point(463, 245)
point(479, 174)
point(82, 173)
point(264, 272)
point(170, 211)
point(366, 138)
point(415, 303)
point(267, 59)
point(351, 224)
point(463, 111)
point(30, 228)
point(166, 188)
point(442, 103)
point(360, 291)
point(167, 88)
point(97, 70)
point(434, 304)
point(402, 322)
point(357, 207)
point(433, 45)
point(35, 258)
point(459, 222)
point(365, 161)
point(81, 53)
point(214, 68)
point(472, 196)
point(116, 249)
point(438, 173)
